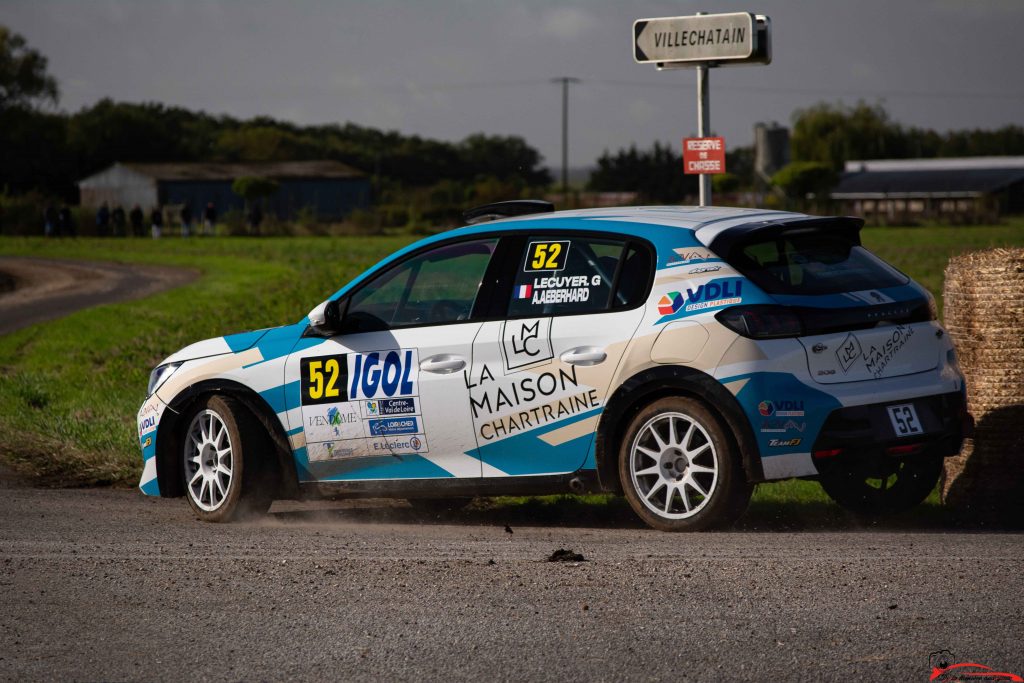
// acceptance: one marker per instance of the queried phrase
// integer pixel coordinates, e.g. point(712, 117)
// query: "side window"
point(439, 286)
point(573, 275)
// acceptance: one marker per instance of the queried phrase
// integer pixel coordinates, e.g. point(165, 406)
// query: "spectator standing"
point(102, 220)
point(186, 220)
point(65, 222)
point(209, 218)
point(50, 220)
point(136, 218)
point(117, 221)
point(156, 217)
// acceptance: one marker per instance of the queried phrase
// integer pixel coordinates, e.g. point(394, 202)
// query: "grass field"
point(69, 389)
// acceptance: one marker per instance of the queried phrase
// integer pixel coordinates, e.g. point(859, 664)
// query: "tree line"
point(823, 137)
point(47, 151)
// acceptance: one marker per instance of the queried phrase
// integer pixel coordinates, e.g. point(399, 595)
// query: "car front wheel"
point(224, 456)
point(679, 470)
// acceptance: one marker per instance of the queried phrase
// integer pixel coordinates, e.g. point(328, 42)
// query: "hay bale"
point(984, 314)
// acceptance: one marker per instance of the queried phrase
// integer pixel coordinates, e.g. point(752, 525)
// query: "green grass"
point(69, 389)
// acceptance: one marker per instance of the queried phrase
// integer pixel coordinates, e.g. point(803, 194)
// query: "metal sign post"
point(703, 41)
point(704, 124)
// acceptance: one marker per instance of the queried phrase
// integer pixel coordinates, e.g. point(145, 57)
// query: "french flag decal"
point(524, 291)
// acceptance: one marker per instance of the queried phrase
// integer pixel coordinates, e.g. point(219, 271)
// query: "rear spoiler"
point(730, 239)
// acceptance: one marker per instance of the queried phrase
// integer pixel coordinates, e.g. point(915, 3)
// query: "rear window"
point(813, 263)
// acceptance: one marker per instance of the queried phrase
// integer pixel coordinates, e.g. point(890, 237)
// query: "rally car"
point(675, 355)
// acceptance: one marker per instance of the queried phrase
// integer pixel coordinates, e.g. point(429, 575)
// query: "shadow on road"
point(615, 513)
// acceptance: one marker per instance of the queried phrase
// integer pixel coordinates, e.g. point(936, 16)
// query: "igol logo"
point(766, 408)
point(392, 375)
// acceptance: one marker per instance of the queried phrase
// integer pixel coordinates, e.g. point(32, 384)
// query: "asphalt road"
point(34, 290)
point(109, 585)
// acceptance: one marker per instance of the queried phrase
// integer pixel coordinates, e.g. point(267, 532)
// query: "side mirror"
point(326, 317)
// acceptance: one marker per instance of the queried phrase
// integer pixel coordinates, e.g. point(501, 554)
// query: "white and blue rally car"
point(676, 355)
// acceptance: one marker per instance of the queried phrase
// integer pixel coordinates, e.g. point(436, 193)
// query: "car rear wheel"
point(224, 457)
point(876, 487)
point(679, 469)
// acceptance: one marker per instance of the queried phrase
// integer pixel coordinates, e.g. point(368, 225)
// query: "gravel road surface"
point(46, 289)
point(109, 585)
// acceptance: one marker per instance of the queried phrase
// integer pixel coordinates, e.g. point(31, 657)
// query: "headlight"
point(159, 376)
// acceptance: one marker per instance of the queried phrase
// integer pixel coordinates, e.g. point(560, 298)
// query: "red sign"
point(704, 155)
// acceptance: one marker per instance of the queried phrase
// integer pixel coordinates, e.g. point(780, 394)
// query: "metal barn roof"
point(230, 171)
point(921, 178)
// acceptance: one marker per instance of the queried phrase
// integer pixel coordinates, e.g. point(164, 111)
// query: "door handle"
point(442, 364)
point(584, 355)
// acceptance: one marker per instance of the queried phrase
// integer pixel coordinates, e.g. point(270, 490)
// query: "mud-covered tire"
point(863, 488)
point(225, 456)
point(680, 469)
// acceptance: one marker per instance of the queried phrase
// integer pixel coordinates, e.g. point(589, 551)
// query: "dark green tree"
point(23, 78)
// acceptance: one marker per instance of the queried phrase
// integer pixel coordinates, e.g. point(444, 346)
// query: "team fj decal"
point(355, 403)
point(783, 443)
point(526, 343)
point(714, 294)
point(504, 406)
point(784, 408)
point(546, 256)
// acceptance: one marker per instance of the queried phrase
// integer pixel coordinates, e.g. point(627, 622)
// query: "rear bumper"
point(866, 430)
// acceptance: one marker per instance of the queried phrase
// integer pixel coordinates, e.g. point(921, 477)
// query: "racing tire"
point(225, 454)
point(879, 489)
point(679, 468)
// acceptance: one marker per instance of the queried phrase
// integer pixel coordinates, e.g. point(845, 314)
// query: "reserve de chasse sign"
point(698, 38)
point(703, 155)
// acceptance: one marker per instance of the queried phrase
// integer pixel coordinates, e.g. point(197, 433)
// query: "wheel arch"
point(671, 380)
point(169, 434)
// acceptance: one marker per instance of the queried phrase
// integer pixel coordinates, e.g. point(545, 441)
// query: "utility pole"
point(565, 81)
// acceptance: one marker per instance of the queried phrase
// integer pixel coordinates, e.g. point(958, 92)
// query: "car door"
point(385, 398)
point(540, 378)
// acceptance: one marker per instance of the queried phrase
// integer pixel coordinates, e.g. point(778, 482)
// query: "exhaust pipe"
point(576, 485)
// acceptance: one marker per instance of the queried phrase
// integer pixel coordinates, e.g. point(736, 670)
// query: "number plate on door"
point(904, 420)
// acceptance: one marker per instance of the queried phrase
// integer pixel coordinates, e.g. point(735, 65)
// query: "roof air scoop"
point(510, 209)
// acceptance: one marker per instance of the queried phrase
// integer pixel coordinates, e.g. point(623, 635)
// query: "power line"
point(817, 91)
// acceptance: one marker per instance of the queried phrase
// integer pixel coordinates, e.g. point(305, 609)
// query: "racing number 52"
point(318, 388)
point(547, 255)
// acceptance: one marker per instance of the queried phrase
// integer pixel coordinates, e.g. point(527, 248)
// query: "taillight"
point(762, 321)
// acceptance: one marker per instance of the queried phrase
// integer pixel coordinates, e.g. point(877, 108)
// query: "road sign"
point(737, 37)
point(703, 155)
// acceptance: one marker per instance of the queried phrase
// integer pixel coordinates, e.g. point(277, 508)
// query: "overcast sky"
point(448, 68)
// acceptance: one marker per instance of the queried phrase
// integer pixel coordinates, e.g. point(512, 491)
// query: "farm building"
point(329, 188)
point(968, 189)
